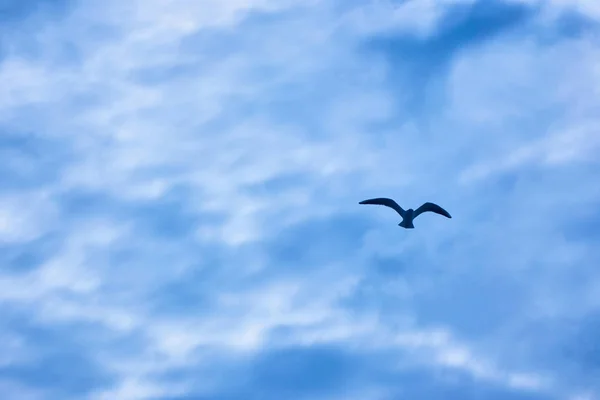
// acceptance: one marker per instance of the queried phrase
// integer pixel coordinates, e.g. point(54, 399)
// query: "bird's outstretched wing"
point(383, 201)
point(433, 208)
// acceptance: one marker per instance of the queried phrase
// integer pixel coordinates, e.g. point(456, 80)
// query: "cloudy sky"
point(179, 188)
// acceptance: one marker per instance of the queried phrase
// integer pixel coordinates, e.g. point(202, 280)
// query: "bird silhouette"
point(409, 215)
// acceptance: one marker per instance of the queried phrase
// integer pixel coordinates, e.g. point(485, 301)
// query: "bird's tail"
point(405, 224)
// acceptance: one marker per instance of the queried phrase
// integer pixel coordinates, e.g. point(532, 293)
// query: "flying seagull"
point(409, 215)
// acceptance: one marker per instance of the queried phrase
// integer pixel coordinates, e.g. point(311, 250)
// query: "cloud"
point(178, 203)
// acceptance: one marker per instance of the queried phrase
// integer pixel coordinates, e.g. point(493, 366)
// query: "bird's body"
point(409, 215)
point(407, 219)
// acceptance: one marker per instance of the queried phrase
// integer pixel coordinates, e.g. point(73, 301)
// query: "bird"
point(409, 215)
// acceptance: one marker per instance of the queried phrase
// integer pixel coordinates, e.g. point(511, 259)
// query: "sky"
point(179, 193)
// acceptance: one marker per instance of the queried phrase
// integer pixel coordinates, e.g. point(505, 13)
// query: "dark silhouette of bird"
point(409, 215)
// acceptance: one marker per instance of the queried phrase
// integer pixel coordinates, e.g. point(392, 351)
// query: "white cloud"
point(538, 112)
point(589, 8)
point(577, 145)
point(26, 216)
point(418, 18)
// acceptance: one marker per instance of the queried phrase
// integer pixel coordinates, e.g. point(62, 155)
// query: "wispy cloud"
point(178, 203)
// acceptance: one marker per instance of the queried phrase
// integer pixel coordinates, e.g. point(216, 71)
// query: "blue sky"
point(179, 195)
